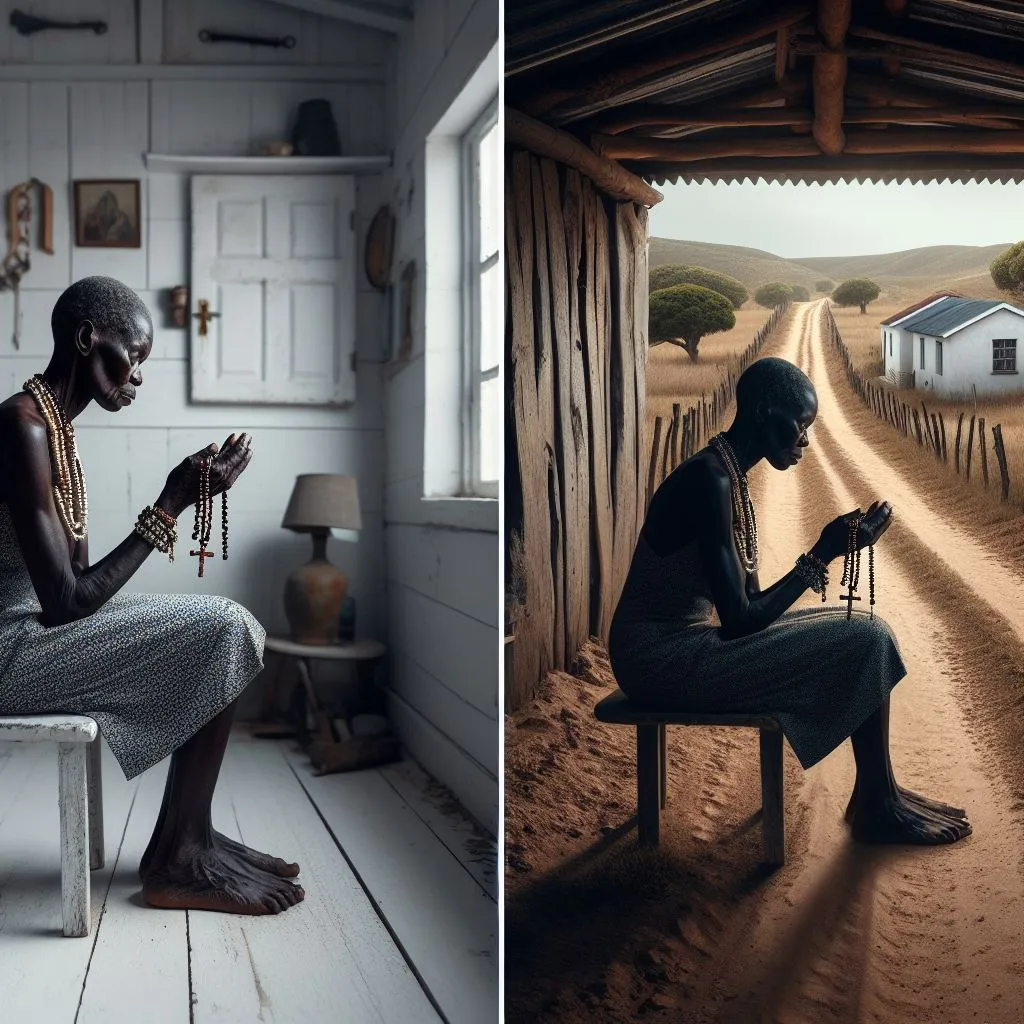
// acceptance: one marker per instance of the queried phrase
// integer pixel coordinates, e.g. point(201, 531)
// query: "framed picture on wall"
point(107, 214)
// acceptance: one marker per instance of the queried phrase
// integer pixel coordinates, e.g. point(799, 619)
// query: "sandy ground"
point(598, 930)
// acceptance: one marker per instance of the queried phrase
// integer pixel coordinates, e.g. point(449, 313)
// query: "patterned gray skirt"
point(151, 669)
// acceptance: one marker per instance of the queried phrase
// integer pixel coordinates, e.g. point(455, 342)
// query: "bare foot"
point(264, 861)
point(916, 800)
point(213, 879)
point(896, 821)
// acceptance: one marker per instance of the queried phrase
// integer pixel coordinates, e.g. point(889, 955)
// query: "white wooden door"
point(274, 258)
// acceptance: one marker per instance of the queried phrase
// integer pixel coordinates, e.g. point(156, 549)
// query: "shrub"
point(774, 294)
point(685, 313)
point(678, 273)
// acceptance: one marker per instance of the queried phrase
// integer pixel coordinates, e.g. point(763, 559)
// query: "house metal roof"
point(948, 316)
point(893, 320)
point(667, 87)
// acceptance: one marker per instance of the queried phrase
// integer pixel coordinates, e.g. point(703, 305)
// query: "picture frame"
point(108, 213)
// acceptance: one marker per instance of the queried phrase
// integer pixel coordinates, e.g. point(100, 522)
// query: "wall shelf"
point(165, 163)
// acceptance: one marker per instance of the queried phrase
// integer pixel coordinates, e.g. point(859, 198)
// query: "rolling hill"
point(901, 275)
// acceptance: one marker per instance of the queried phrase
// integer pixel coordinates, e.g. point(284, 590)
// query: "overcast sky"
point(839, 219)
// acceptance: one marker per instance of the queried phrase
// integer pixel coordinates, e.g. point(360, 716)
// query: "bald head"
point(782, 383)
point(111, 307)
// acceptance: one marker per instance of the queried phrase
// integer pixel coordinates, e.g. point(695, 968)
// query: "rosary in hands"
point(204, 515)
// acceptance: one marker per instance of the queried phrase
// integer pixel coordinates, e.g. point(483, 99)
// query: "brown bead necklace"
point(204, 516)
point(851, 567)
point(744, 523)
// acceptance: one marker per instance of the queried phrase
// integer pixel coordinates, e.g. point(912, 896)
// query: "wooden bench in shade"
point(80, 797)
point(617, 709)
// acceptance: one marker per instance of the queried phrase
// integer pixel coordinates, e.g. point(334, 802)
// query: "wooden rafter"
point(590, 86)
point(610, 177)
point(828, 75)
point(625, 147)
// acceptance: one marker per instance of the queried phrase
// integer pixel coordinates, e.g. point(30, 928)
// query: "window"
point(938, 357)
point(1004, 355)
point(890, 343)
point(921, 344)
point(484, 299)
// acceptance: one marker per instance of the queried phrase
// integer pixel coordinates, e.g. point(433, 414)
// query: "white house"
point(951, 346)
point(897, 357)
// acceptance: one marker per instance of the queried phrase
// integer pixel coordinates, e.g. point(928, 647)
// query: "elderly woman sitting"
point(822, 676)
point(158, 673)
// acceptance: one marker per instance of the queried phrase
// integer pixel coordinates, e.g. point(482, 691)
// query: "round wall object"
point(380, 240)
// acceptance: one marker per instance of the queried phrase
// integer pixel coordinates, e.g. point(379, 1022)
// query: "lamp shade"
point(320, 501)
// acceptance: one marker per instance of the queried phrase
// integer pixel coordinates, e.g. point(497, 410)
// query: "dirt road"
point(845, 933)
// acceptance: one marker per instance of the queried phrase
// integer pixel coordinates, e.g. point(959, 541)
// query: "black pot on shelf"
point(316, 133)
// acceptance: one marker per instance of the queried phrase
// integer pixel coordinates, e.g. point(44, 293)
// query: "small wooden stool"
point(617, 709)
point(80, 795)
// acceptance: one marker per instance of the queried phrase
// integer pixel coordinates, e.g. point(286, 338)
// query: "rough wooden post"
point(927, 424)
point(652, 469)
point(648, 773)
point(1004, 476)
point(984, 456)
point(917, 429)
point(676, 429)
point(970, 446)
point(74, 838)
point(940, 452)
point(773, 820)
point(959, 429)
point(663, 765)
point(94, 779)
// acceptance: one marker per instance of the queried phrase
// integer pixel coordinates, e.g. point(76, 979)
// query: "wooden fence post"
point(917, 429)
point(927, 423)
point(935, 434)
point(959, 429)
point(652, 469)
point(676, 412)
point(970, 446)
point(997, 443)
point(942, 427)
point(984, 456)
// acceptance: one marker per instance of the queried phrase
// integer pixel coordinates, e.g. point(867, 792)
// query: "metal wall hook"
point(29, 24)
point(277, 42)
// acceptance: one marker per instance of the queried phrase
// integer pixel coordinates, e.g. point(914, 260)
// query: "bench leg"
point(648, 784)
point(663, 764)
point(773, 822)
point(74, 838)
point(94, 775)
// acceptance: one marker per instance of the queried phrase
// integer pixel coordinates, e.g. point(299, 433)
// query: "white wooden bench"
point(81, 803)
point(651, 760)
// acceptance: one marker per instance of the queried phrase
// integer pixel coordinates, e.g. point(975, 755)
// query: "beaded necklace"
point(744, 523)
point(69, 492)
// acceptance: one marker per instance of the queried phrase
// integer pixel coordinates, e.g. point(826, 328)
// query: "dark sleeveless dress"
point(819, 674)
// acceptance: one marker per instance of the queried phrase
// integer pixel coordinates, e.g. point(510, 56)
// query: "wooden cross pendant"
point(204, 554)
point(848, 598)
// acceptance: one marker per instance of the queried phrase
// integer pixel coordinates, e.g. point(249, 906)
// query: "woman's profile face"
point(115, 365)
point(785, 431)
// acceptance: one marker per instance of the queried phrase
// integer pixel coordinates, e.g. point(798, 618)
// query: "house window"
point(890, 343)
point(1004, 355)
point(921, 344)
point(484, 298)
point(938, 357)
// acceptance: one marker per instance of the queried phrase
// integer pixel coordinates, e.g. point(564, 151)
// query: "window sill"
point(480, 514)
point(1004, 373)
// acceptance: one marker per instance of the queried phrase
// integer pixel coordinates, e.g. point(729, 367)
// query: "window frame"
point(473, 270)
point(920, 341)
point(1005, 343)
point(938, 357)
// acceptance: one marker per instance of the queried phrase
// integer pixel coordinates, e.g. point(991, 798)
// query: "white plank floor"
point(399, 924)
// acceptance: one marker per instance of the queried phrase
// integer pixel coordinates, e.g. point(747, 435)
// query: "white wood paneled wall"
point(442, 581)
point(58, 128)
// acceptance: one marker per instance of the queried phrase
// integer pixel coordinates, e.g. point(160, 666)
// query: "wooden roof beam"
point(607, 175)
point(866, 143)
point(828, 76)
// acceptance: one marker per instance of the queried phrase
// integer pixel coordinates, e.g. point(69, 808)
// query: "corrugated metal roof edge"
point(803, 176)
point(921, 324)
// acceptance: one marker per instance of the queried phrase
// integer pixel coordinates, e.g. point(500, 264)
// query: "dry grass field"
point(673, 377)
point(861, 335)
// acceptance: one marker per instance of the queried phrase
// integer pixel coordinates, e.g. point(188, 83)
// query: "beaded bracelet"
point(813, 572)
point(153, 526)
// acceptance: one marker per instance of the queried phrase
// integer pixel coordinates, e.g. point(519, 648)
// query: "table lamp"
point(315, 592)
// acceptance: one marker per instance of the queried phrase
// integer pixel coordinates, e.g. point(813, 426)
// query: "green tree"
point(858, 291)
point(774, 294)
point(824, 285)
point(678, 273)
point(685, 313)
point(1007, 270)
point(800, 293)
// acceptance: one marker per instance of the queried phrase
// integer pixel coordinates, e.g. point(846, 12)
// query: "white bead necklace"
point(744, 523)
point(69, 492)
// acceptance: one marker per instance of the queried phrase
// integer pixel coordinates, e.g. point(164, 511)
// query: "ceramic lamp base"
point(313, 596)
